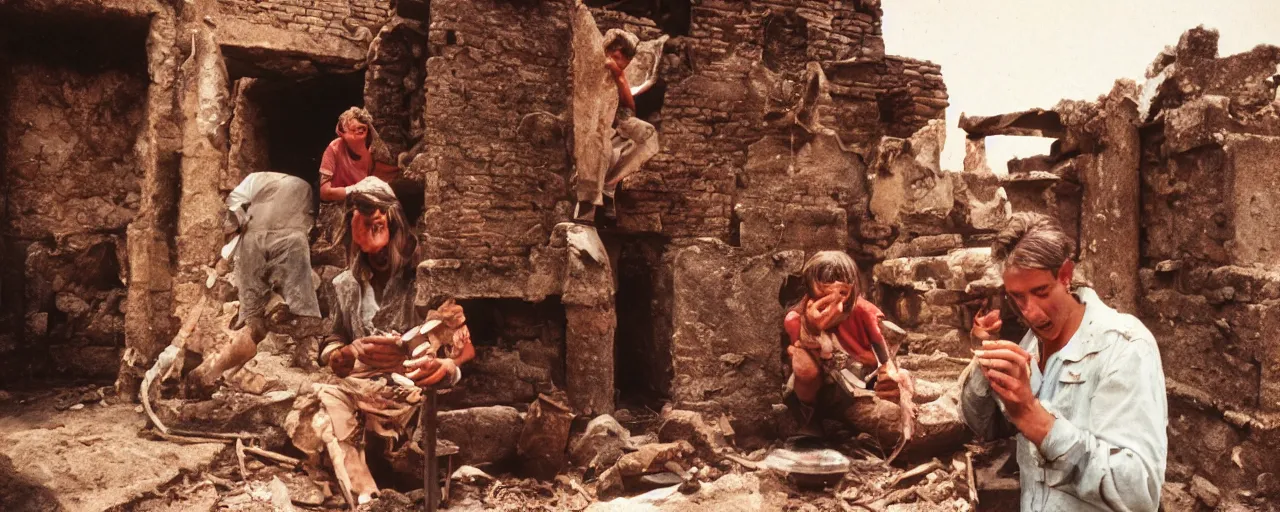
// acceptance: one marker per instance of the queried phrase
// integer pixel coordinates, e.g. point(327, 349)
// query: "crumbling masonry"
point(785, 129)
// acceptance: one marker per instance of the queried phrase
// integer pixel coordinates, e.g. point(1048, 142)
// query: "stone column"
point(148, 315)
point(726, 348)
point(588, 298)
point(205, 101)
point(1109, 224)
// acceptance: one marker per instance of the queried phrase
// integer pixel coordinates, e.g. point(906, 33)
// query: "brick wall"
point(335, 17)
point(713, 111)
point(495, 162)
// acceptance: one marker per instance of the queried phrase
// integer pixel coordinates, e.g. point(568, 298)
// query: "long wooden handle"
point(431, 467)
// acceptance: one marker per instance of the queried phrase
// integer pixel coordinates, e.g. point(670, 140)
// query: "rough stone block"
point(483, 434)
point(953, 271)
point(1109, 224)
point(763, 229)
point(601, 444)
point(726, 303)
point(930, 245)
point(1211, 366)
point(1195, 123)
point(908, 187)
point(690, 426)
point(544, 437)
point(1252, 162)
point(982, 202)
point(1242, 77)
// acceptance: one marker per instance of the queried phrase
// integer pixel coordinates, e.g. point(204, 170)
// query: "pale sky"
point(1002, 56)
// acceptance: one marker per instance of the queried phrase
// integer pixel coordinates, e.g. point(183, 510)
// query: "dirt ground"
point(89, 457)
point(70, 449)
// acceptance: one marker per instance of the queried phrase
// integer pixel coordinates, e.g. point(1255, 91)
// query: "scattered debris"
point(482, 434)
point(280, 500)
point(471, 475)
point(679, 425)
point(650, 458)
point(600, 446)
point(545, 435)
point(1205, 491)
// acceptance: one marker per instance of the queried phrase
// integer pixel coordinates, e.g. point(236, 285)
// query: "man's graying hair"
point(1033, 241)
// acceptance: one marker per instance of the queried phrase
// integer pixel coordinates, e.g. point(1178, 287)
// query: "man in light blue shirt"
point(1084, 390)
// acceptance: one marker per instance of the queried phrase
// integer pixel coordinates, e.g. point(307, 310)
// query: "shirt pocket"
point(1075, 388)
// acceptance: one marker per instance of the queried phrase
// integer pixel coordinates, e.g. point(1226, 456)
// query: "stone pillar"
point(726, 348)
point(588, 298)
point(148, 315)
point(1109, 226)
point(248, 150)
point(205, 100)
point(594, 102)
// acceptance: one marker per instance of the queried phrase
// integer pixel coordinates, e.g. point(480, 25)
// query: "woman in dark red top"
point(830, 328)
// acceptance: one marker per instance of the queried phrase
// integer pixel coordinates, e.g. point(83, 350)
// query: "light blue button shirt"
point(1108, 445)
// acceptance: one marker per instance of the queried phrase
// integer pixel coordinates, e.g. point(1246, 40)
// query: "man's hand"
point(428, 370)
point(1008, 367)
point(987, 327)
point(381, 352)
point(342, 361)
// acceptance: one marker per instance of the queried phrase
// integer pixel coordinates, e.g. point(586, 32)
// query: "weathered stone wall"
point(394, 92)
point(931, 298)
point(65, 242)
point(726, 339)
point(335, 17)
point(495, 162)
point(733, 88)
point(519, 353)
point(1210, 276)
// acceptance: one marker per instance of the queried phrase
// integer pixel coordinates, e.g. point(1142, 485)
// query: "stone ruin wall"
point(71, 113)
point(1170, 186)
point(163, 160)
point(735, 168)
point(496, 75)
point(753, 175)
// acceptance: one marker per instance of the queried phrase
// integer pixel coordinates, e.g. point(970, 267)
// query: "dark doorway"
point(300, 116)
point(642, 343)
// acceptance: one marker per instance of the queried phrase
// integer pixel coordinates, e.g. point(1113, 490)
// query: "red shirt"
point(344, 170)
point(856, 333)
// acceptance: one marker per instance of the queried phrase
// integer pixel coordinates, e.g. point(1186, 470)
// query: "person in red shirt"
point(357, 153)
point(830, 329)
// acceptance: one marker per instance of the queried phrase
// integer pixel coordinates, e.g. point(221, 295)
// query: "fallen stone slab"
point(601, 444)
point(545, 437)
point(1029, 123)
point(650, 458)
point(679, 425)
